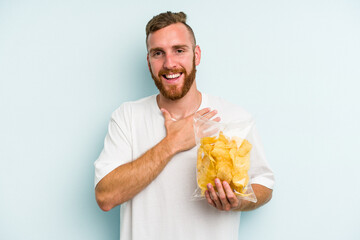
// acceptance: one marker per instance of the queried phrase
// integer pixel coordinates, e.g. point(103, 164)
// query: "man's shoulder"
point(231, 110)
point(139, 105)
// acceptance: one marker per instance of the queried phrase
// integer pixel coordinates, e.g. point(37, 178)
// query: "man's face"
point(172, 60)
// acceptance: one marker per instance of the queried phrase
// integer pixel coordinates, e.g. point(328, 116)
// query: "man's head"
point(165, 19)
point(172, 54)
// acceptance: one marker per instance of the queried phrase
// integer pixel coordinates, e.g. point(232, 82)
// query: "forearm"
point(263, 195)
point(124, 182)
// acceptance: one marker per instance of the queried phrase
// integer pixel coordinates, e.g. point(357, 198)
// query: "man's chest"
point(146, 132)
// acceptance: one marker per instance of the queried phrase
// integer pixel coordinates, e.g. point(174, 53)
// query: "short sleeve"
point(260, 172)
point(117, 145)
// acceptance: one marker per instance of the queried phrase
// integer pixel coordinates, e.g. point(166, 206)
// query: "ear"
point(197, 55)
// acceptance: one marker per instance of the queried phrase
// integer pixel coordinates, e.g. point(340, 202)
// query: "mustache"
point(171, 71)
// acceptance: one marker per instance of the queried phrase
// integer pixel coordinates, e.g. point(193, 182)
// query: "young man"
point(148, 163)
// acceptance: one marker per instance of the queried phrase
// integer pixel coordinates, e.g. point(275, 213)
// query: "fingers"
point(203, 111)
point(231, 197)
point(217, 119)
point(208, 198)
point(224, 199)
point(208, 114)
point(214, 197)
point(166, 114)
point(204, 127)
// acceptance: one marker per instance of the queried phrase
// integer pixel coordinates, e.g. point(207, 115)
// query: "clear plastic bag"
point(224, 153)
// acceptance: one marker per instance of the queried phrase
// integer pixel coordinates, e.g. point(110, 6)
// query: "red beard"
point(172, 92)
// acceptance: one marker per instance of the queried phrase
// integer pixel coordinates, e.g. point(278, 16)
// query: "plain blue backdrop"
point(66, 65)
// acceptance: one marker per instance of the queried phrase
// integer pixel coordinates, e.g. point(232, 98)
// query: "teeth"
point(173, 75)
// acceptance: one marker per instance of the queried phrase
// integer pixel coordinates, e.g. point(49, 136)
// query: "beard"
point(173, 93)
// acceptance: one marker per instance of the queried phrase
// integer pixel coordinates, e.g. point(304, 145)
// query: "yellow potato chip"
point(208, 148)
point(207, 140)
point(244, 148)
point(228, 160)
point(222, 138)
point(242, 162)
point(205, 172)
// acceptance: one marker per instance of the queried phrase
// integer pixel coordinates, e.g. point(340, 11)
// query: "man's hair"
point(165, 19)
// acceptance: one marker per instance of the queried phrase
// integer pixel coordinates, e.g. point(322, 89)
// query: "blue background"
point(66, 65)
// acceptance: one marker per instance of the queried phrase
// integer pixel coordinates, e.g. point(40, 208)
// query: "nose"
point(169, 62)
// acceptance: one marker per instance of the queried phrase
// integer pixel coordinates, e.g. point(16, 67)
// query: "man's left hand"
point(225, 199)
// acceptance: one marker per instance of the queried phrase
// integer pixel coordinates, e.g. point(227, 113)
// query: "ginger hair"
point(165, 19)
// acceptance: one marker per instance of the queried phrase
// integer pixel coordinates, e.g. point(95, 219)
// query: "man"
point(148, 163)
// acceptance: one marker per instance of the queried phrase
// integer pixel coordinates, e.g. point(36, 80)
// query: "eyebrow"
point(155, 49)
point(180, 46)
point(173, 47)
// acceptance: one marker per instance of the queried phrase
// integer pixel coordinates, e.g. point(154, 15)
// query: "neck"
point(183, 107)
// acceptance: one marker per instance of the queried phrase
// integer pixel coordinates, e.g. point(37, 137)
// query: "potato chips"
point(228, 160)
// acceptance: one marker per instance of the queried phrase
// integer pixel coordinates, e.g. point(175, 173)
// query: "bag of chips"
point(224, 153)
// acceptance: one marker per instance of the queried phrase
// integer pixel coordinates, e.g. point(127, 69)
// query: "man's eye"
point(179, 51)
point(156, 54)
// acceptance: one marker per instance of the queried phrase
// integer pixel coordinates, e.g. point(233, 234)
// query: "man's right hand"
point(180, 133)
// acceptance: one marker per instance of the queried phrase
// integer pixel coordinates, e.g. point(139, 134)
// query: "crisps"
point(228, 160)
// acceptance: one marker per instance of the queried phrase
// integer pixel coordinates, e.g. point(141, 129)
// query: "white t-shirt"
point(164, 209)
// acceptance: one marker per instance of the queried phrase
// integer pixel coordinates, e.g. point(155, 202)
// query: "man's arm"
point(227, 200)
point(124, 182)
point(263, 195)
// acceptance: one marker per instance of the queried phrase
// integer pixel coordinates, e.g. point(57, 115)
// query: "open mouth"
point(172, 77)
